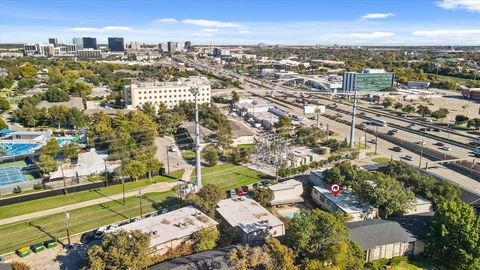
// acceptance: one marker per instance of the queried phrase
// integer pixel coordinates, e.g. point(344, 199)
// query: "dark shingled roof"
point(215, 259)
point(377, 232)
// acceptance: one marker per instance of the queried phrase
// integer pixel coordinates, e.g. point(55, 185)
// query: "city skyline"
point(425, 22)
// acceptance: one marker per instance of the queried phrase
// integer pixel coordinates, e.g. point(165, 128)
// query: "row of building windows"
point(168, 101)
point(169, 91)
point(170, 96)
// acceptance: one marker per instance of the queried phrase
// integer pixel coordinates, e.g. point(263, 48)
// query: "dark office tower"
point(89, 43)
point(188, 46)
point(115, 44)
point(172, 46)
point(53, 41)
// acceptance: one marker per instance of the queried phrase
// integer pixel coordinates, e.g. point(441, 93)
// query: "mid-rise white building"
point(89, 53)
point(65, 50)
point(169, 93)
point(30, 49)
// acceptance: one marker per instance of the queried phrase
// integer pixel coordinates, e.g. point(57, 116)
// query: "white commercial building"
point(89, 53)
point(287, 192)
point(168, 93)
point(167, 231)
point(65, 50)
point(253, 221)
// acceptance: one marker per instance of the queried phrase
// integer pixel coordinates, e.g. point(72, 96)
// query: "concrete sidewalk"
point(158, 187)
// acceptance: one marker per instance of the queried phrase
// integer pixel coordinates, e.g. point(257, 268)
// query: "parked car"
point(445, 148)
point(111, 227)
point(135, 219)
point(397, 149)
point(232, 193)
point(439, 144)
point(246, 188)
point(407, 157)
point(1, 259)
point(100, 232)
point(257, 184)
point(241, 192)
point(87, 237)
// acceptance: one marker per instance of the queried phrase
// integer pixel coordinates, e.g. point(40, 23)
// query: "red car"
point(439, 144)
point(241, 192)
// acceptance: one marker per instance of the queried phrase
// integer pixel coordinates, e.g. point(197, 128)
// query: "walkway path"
point(158, 187)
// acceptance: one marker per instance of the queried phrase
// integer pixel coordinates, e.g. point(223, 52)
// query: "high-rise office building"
point(172, 46)
point(53, 41)
point(78, 42)
point(89, 43)
point(188, 46)
point(115, 44)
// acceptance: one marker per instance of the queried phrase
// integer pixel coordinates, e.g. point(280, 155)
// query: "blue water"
point(13, 149)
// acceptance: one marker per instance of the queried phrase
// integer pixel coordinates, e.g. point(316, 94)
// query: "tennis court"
point(11, 175)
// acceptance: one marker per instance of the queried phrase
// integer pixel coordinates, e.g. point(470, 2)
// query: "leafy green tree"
point(28, 70)
point(305, 231)
point(262, 195)
point(47, 164)
point(253, 258)
point(135, 169)
point(309, 136)
point(281, 256)
point(284, 172)
point(121, 250)
point(454, 236)
point(70, 150)
point(26, 84)
point(80, 88)
point(211, 156)
point(235, 97)
point(76, 118)
point(408, 109)
point(387, 102)
point(3, 125)
point(423, 110)
point(398, 106)
point(55, 94)
point(283, 124)
point(6, 82)
point(475, 123)
point(440, 113)
point(206, 198)
point(51, 148)
point(58, 114)
point(205, 239)
point(4, 104)
point(149, 109)
point(461, 119)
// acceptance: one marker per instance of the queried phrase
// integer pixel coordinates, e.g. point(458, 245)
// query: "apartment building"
point(169, 93)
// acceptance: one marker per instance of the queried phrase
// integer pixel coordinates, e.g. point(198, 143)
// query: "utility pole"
point(328, 131)
point(106, 172)
point(365, 138)
point(168, 161)
point(67, 225)
point(198, 172)
point(421, 154)
point(64, 181)
point(354, 111)
point(376, 139)
point(140, 200)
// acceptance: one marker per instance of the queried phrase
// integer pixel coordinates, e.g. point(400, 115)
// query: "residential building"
point(13, 54)
point(90, 43)
point(347, 202)
point(287, 192)
point(367, 80)
point(211, 259)
point(163, 47)
point(253, 221)
point(89, 53)
point(78, 42)
point(169, 93)
point(53, 41)
point(46, 49)
point(385, 239)
point(172, 46)
point(172, 229)
point(65, 50)
point(116, 44)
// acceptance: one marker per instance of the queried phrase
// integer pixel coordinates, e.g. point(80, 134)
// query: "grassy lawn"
point(381, 160)
point(228, 176)
point(26, 233)
point(61, 200)
point(246, 146)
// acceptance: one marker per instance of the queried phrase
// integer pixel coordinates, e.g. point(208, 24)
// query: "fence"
point(7, 189)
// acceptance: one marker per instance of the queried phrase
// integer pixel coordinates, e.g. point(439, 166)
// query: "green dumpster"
point(50, 243)
point(37, 248)
point(23, 252)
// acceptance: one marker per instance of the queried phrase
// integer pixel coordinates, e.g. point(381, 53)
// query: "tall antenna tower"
point(198, 169)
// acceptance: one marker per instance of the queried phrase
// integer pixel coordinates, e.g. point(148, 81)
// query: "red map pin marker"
point(335, 189)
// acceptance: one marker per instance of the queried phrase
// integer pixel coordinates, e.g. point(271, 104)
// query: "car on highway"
point(390, 133)
point(445, 148)
point(362, 114)
point(436, 130)
point(420, 142)
point(397, 149)
point(407, 157)
point(423, 129)
point(411, 125)
point(439, 144)
point(373, 141)
point(394, 130)
point(475, 143)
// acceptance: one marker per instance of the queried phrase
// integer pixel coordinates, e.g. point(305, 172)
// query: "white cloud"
point(210, 30)
point(209, 23)
point(376, 16)
point(447, 33)
point(372, 35)
point(245, 32)
point(471, 5)
point(99, 30)
point(166, 20)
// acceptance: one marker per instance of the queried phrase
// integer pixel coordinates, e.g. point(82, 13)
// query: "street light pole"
point(67, 225)
point(354, 111)
point(421, 154)
point(376, 139)
point(198, 173)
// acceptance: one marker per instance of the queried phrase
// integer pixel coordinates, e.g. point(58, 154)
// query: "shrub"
point(17, 265)
point(39, 186)
point(17, 189)
point(398, 260)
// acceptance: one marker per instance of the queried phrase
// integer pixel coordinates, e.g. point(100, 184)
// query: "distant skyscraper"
point(188, 46)
point(172, 46)
point(89, 43)
point(53, 41)
point(115, 44)
point(78, 42)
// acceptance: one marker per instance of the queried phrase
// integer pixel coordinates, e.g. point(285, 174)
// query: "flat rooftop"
point(246, 214)
point(289, 184)
point(347, 200)
point(173, 225)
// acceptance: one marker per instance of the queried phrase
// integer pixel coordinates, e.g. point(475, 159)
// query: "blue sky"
point(351, 22)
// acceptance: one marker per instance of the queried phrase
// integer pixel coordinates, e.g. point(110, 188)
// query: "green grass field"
point(229, 176)
point(381, 160)
point(62, 200)
point(16, 235)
